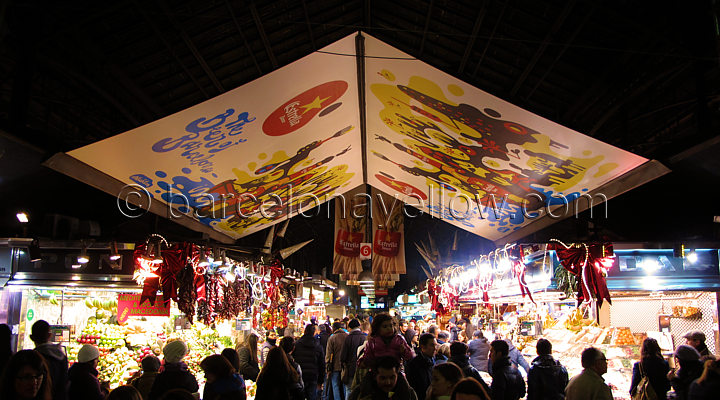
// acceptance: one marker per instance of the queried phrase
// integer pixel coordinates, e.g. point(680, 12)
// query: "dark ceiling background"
point(641, 75)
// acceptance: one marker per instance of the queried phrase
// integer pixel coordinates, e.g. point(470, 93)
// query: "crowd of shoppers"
point(355, 359)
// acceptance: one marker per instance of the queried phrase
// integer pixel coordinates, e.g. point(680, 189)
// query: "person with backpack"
point(547, 378)
point(650, 373)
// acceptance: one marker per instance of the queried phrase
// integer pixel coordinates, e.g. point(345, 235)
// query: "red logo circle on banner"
point(299, 110)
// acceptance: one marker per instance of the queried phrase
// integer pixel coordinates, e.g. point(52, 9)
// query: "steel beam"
point(263, 36)
point(562, 51)
point(541, 50)
point(473, 36)
point(155, 29)
point(492, 36)
point(193, 49)
point(427, 25)
point(242, 36)
point(307, 22)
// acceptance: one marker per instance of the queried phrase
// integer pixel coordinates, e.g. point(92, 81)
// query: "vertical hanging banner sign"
point(388, 261)
point(351, 212)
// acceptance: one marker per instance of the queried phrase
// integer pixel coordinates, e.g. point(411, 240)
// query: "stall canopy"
point(293, 139)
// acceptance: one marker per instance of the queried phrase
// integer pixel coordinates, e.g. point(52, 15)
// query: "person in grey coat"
point(479, 348)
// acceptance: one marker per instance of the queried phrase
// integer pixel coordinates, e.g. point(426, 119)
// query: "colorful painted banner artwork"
point(468, 157)
point(250, 157)
point(388, 261)
point(351, 218)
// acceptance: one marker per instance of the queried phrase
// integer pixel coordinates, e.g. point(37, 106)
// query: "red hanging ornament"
point(590, 262)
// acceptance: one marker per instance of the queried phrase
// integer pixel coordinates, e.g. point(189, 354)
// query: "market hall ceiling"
point(642, 79)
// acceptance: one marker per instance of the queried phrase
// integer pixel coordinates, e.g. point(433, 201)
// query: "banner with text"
point(388, 261)
point(252, 156)
point(129, 306)
point(351, 212)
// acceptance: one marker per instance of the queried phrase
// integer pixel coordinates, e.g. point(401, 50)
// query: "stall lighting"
point(503, 265)
point(217, 257)
point(76, 266)
point(650, 283)
point(83, 257)
point(157, 259)
point(230, 276)
point(692, 257)
point(22, 217)
point(204, 261)
point(114, 253)
point(341, 292)
point(650, 265)
point(149, 251)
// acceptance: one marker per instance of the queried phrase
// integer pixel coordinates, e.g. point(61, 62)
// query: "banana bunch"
point(109, 305)
point(53, 300)
point(548, 321)
point(574, 321)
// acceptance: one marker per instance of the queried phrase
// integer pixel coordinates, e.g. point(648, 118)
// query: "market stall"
point(79, 317)
point(538, 299)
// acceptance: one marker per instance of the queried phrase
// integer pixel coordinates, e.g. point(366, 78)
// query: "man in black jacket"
point(55, 356)
point(408, 333)
point(323, 336)
point(507, 382)
point(349, 357)
point(547, 377)
point(459, 356)
point(310, 357)
point(419, 369)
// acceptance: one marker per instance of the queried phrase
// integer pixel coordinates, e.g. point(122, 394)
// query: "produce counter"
point(621, 348)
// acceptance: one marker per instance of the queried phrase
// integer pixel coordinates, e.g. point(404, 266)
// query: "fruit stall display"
point(122, 348)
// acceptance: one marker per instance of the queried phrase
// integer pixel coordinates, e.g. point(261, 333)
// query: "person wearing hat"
point(690, 369)
point(696, 339)
point(175, 373)
point(83, 376)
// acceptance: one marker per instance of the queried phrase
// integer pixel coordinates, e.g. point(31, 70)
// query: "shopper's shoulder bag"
point(644, 391)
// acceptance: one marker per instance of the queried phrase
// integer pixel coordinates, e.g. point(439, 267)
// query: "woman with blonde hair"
point(248, 359)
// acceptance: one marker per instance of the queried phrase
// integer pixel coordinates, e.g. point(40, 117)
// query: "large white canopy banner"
point(468, 157)
point(246, 159)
